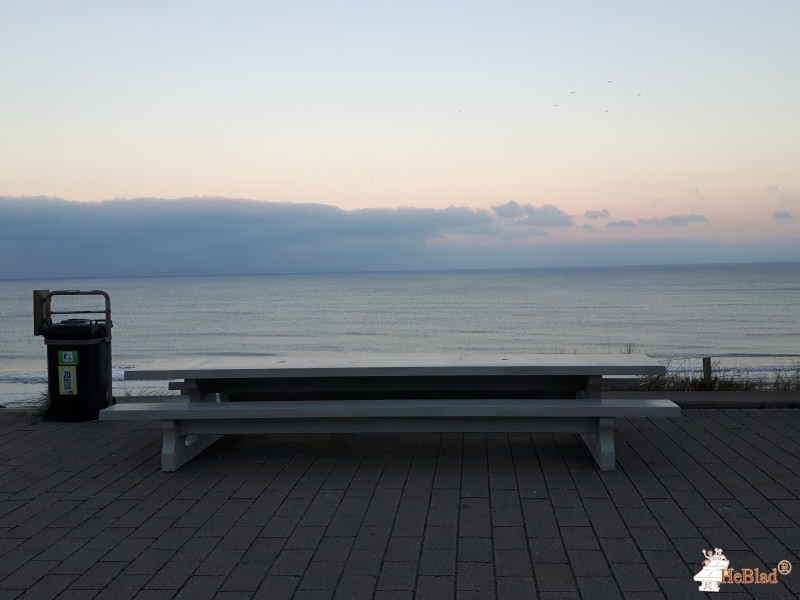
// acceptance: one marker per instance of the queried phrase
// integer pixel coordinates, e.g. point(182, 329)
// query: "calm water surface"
point(738, 314)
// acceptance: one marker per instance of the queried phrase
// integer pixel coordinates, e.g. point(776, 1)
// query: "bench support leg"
point(601, 444)
point(178, 449)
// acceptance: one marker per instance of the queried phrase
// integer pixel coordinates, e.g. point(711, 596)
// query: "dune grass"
point(728, 380)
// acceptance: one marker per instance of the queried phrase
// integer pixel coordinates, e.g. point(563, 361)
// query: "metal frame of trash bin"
point(43, 316)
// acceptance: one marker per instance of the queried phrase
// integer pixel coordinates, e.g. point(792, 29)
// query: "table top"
point(397, 365)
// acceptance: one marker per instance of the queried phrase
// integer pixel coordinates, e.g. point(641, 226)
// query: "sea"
point(744, 316)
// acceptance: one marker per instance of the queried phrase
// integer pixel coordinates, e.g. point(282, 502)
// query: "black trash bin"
point(77, 369)
point(78, 359)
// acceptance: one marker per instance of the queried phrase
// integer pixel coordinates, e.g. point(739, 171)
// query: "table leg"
point(193, 388)
point(177, 449)
point(591, 387)
point(601, 444)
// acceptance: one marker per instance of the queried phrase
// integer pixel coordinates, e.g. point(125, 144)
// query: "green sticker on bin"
point(67, 381)
point(67, 357)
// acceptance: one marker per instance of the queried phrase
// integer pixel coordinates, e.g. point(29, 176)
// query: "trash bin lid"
point(74, 329)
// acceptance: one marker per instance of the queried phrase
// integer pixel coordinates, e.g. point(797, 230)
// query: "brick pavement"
point(86, 513)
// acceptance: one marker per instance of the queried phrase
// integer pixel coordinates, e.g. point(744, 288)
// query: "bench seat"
point(190, 427)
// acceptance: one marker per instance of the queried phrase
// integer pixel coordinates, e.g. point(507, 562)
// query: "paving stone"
point(334, 548)
point(579, 538)
point(403, 549)
point(98, 576)
point(438, 561)
point(547, 550)
point(355, 587)
point(515, 588)
point(291, 562)
point(435, 587)
point(598, 588)
point(633, 579)
point(513, 563)
point(321, 575)
point(123, 587)
point(554, 577)
point(588, 563)
point(473, 549)
point(28, 574)
point(276, 587)
point(621, 550)
point(509, 538)
point(200, 587)
point(398, 576)
point(367, 562)
point(474, 576)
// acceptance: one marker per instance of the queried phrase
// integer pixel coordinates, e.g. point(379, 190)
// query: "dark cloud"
point(589, 227)
point(782, 215)
point(597, 214)
point(674, 220)
point(624, 223)
point(52, 238)
point(529, 215)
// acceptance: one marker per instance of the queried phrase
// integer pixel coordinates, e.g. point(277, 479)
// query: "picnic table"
point(347, 393)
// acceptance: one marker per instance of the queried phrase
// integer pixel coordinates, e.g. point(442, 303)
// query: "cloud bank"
point(53, 238)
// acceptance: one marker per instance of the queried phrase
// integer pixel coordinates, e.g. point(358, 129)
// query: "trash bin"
point(78, 361)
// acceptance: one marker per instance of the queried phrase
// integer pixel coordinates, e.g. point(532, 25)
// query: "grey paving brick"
point(637, 516)
point(435, 587)
point(123, 587)
point(621, 550)
point(509, 538)
point(127, 550)
point(554, 577)
point(28, 574)
point(515, 588)
point(571, 516)
point(49, 586)
point(397, 576)
point(355, 587)
point(313, 595)
point(513, 563)
point(579, 538)
point(631, 578)
point(321, 575)
point(276, 587)
point(149, 563)
point(547, 550)
point(474, 576)
point(598, 588)
point(403, 549)
point(200, 587)
point(98, 576)
point(79, 561)
point(438, 561)
point(654, 538)
point(334, 548)
point(440, 537)
point(74, 594)
point(473, 549)
point(665, 563)
point(588, 563)
point(245, 576)
point(364, 562)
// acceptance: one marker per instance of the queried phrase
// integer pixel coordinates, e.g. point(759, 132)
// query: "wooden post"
point(707, 372)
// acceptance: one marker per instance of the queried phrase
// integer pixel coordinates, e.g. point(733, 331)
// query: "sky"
point(498, 133)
